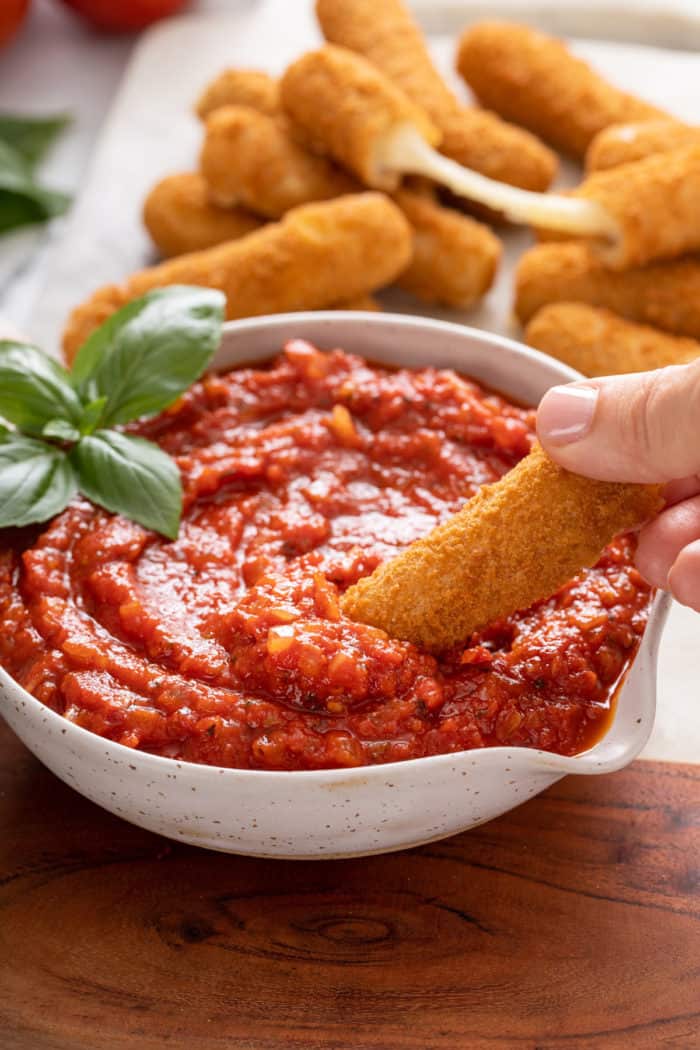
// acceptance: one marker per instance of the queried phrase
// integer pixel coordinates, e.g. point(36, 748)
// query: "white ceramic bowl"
point(344, 812)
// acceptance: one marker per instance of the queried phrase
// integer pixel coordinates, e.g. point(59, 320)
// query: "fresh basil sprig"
point(31, 137)
point(136, 364)
point(23, 144)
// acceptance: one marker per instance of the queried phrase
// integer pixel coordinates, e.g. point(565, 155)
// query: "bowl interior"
point(403, 341)
point(511, 368)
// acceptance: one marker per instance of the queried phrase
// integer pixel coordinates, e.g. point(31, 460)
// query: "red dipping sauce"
point(228, 646)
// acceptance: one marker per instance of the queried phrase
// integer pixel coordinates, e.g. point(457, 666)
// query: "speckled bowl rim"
point(584, 763)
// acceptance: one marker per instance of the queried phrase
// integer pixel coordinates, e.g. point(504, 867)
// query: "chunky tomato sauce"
point(229, 646)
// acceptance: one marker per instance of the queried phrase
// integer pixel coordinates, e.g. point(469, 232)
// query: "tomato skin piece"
point(12, 14)
point(125, 17)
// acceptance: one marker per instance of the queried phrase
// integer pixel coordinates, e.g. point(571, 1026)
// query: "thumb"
point(642, 427)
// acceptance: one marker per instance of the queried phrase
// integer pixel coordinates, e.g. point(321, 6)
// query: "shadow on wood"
point(572, 922)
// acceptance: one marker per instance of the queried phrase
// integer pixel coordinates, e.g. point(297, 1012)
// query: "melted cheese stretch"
point(406, 151)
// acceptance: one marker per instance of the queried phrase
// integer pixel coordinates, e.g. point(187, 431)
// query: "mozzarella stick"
point(597, 342)
point(347, 109)
point(534, 80)
point(455, 258)
point(479, 139)
point(240, 87)
point(514, 543)
point(654, 205)
point(387, 35)
point(251, 159)
point(180, 217)
point(666, 295)
point(318, 255)
point(454, 261)
point(624, 143)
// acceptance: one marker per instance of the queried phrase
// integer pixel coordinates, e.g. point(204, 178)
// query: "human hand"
point(643, 427)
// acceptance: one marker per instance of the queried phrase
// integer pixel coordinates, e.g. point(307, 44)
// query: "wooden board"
point(571, 923)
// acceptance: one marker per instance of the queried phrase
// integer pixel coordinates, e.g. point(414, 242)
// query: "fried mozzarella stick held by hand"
point(317, 256)
point(597, 342)
point(666, 295)
point(517, 541)
point(385, 33)
point(251, 159)
point(180, 217)
point(534, 80)
point(624, 143)
point(347, 109)
point(240, 87)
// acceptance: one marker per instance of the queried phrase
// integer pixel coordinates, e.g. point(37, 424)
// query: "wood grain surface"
point(573, 922)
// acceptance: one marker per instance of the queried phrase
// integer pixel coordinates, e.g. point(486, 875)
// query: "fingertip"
point(651, 558)
point(684, 576)
point(565, 414)
point(662, 540)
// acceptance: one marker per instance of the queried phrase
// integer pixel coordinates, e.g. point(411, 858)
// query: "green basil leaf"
point(36, 480)
point(92, 415)
point(31, 137)
point(60, 430)
point(130, 476)
point(22, 200)
point(149, 352)
point(34, 388)
point(17, 211)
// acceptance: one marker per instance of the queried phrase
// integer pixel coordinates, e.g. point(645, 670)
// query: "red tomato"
point(124, 16)
point(12, 13)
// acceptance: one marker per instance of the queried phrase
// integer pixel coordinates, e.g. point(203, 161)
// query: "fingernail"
point(566, 414)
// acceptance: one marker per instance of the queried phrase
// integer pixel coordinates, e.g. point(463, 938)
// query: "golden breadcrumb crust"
point(597, 342)
point(623, 143)
point(517, 541)
point(180, 217)
point(665, 294)
point(240, 87)
point(346, 108)
point(388, 36)
point(318, 255)
point(655, 204)
point(534, 80)
point(455, 258)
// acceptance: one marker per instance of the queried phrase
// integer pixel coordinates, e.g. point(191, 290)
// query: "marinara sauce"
point(228, 646)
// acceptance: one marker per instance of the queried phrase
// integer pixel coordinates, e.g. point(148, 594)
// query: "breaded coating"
point(655, 205)
point(240, 87)
point(180, 217)
point(597, 342)
point(666, 295)
point(454, 261)
point(534, 80)
point(252, 160)
point(346, 108)
point(318, 255)
point(516, 542)
point(624, 143)
point(385, 32)
point(455, 258)
point(479, 139)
